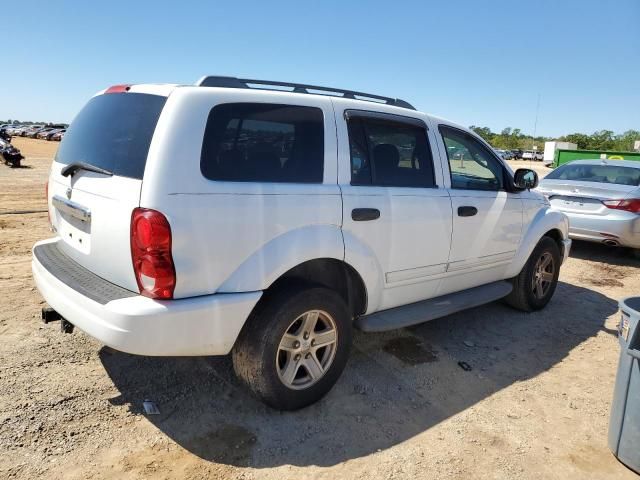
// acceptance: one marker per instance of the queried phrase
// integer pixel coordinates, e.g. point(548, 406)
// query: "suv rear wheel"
point(537, 281)
point(294, 346)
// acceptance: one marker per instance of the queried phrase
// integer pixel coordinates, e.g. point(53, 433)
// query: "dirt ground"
point(535, 404)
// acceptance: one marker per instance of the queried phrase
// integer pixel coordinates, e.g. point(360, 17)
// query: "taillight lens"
point(630, 205)
point(151, 253)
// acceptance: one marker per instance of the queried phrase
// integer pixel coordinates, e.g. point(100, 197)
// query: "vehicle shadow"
point(396, 385)
point(597, 252)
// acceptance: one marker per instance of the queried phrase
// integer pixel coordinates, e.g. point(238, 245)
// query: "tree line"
point(511, 139)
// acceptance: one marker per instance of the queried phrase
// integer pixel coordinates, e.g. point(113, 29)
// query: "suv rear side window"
point(262, 142)
point(113, 131)
point(389, 153)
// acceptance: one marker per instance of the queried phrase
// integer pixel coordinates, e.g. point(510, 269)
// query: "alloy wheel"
point(307, 349)
point(543, 274)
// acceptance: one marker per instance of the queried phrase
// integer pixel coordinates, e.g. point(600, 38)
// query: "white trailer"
point(550, 149)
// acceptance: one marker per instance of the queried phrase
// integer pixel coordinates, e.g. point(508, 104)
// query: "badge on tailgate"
point(72, 208)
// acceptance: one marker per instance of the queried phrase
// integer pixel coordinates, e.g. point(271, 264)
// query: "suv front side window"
point(472, 166)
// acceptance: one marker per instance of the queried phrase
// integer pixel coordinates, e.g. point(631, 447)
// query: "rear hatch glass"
point(113, 132)
point(91, 209)
point(611, 174)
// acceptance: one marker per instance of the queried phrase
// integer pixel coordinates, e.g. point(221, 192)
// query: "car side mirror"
point(525, 179)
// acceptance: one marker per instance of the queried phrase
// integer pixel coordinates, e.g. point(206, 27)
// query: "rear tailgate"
point(91, 211)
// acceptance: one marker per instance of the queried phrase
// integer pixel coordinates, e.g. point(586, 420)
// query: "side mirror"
point(525, 179)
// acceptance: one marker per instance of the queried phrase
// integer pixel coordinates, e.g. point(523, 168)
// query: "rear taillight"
point(630, 205)
point(151, 253)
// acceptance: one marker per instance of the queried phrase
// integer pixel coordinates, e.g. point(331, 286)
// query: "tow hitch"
point(50, 315)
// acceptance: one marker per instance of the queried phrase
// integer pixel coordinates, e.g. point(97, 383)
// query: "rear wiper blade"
point(72, 168)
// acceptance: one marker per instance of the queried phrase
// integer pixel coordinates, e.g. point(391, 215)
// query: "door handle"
point(467, 211)
point(364, 214)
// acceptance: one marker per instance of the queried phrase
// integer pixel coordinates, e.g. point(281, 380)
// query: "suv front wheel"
point(537, 281)
point(294, 346)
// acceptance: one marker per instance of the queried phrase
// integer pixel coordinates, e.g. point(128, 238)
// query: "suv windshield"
point(113, 131)
point(597, 173)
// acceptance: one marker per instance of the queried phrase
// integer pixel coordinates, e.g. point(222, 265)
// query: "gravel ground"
point(535, 403)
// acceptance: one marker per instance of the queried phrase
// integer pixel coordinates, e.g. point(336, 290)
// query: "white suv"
point(233, 216)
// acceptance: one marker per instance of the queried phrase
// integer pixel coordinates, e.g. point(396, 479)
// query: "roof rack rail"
point(233, 82)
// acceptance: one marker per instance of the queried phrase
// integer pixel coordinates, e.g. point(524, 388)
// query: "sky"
point(482, 63)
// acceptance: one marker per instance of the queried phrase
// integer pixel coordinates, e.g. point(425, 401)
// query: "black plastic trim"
point(75, 276)
point(364, 214)
point(387, 117)
point(233, 82)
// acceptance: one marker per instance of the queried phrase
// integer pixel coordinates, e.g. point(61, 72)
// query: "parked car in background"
point(10, 130)
point(601, 199)
point(47, 133)
point(58, 136)
point(42, 133)
point(15, 130)
point(32, 132)
point(290, 219)
point(532, 155)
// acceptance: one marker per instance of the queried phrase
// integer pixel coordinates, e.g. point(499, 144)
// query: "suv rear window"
point(581, 172)
point(262, 142)
point(113, 131)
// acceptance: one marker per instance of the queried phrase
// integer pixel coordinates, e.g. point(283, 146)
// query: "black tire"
point(523, 297)
point(256, 353)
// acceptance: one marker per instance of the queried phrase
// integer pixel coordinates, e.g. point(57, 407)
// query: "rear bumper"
point(206, 325)
point(624, 230)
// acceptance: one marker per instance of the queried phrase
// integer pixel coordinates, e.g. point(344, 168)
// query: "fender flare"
point(365, 262)
point(544, 221)
point(281, 254)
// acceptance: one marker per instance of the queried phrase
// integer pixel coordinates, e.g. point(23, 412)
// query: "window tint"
point(597, 173)
point(472, 166)
point(113, 131)
point(389, 153)
point(258, 142)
